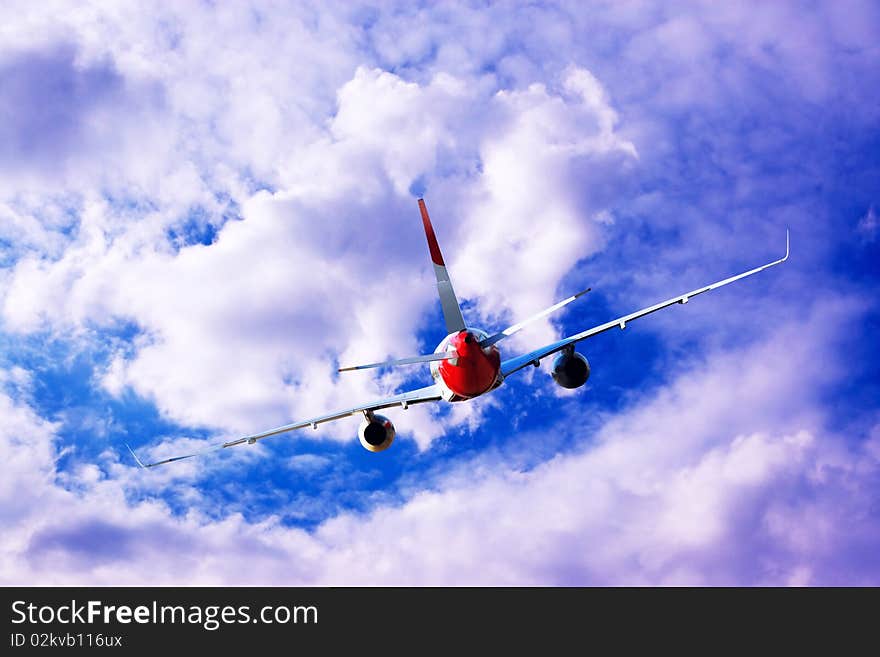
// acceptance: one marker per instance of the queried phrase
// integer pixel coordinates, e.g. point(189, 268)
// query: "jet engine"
point(376, 433)
point(571, 369)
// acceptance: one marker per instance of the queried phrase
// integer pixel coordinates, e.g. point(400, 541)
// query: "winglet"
point(786, 245)
point(137, 460)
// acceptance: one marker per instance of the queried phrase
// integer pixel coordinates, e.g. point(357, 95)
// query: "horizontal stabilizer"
point(427, 358)
point(510, 330)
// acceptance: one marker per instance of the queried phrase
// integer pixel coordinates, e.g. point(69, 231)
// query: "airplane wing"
point(534, 357)
point(428, 394)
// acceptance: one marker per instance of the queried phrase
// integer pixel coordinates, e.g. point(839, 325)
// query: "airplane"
point(467, 363)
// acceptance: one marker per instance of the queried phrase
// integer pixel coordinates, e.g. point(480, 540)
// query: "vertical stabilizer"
point(448, 302)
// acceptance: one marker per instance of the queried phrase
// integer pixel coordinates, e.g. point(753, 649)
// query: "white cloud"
point(868, 225)
point(516, 148)
point(526, 227)
point(682, 488)
point(243, 333)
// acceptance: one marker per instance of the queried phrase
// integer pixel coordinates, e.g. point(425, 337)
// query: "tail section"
point(448, 301)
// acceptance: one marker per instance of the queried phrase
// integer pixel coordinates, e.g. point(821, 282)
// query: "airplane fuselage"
point(473, 371)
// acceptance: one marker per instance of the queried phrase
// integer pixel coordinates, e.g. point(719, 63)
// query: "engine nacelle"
point(377, 433)
point(571, 370)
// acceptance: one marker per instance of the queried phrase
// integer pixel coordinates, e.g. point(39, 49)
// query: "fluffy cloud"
point(69, 122)
point(246, 213)
point(255, 316)
point(685, 487)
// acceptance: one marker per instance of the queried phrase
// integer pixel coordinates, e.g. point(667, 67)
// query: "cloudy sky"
point(206, 209)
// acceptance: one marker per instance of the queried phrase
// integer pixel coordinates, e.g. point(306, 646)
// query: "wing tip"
point(787, 244)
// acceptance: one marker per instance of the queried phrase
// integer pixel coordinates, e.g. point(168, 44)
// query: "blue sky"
point(205, 210)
